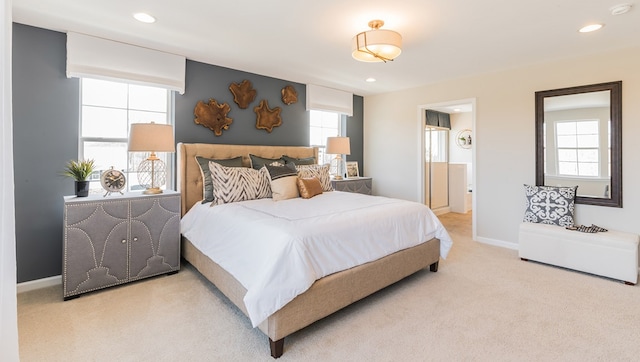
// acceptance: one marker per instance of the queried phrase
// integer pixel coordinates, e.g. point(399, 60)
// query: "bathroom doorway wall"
point(461, 154)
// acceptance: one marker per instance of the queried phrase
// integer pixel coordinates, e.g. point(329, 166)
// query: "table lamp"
point(151, 137)
point(338, 146)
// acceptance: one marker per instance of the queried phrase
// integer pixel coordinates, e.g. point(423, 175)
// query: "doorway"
point(460, 175)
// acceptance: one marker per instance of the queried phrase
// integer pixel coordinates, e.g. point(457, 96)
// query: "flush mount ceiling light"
point(590, 28)
point(376, 45)
point(144, 18)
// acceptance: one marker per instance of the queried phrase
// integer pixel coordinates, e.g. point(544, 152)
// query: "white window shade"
point(328, 99)
point(88, 56)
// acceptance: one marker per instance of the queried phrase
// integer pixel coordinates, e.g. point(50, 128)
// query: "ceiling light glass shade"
point(590, 28)
point(376, 45)
point(144, 17)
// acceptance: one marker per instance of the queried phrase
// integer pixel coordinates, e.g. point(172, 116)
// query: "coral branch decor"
point(289, 95)
point(267, 118)
point(243, 93)
point(213, 116)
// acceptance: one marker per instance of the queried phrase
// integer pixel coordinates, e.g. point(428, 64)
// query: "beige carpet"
point(483, 304)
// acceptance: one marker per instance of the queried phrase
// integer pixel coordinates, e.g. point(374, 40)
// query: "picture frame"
point(352, 169)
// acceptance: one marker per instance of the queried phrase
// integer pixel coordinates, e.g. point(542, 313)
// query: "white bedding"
point(277, 249)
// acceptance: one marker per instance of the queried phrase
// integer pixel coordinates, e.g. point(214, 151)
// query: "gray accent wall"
point(45, 137)
point(205, 81)
point(46, 108)
point(355, 134)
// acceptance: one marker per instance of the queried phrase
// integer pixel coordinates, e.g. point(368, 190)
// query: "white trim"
point(421, 181)
point(39, 284)
point(442, 210)
point(496, 242)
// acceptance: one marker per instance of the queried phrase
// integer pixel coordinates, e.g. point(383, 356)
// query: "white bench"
point(612, 254)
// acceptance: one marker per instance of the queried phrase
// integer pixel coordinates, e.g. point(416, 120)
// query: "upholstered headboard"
point(190, 178)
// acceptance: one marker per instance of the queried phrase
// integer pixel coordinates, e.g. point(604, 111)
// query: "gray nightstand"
point(117, 239)
point(360, 185)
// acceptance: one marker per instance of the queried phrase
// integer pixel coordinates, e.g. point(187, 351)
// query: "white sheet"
point(277, 249)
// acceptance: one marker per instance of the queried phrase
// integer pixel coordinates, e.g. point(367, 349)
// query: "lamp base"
point(337, 168)
point(152, 191)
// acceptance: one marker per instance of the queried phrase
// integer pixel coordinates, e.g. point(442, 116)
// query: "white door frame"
point(421, 128)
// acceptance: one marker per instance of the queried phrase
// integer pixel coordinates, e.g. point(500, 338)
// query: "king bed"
point(346, 269)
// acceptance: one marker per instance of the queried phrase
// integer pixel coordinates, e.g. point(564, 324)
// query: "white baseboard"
point(39, 283)
point(496, 242)
point(442, 210)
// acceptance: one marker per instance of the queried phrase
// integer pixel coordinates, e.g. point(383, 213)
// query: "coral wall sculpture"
point(213, 116)
point(267, 118)
point(243, 93)
point(289, 95)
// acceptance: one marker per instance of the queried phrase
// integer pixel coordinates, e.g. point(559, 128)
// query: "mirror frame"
point(615, 89)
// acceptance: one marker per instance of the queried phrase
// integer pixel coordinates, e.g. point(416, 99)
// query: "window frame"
point(130, 172)
point(578, 148)
point(342, 131)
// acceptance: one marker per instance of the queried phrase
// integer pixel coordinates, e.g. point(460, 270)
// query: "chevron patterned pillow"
point(233, 184)
point(321, 172)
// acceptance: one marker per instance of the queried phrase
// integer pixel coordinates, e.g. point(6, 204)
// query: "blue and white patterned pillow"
point(233, 184)
point(550, 205)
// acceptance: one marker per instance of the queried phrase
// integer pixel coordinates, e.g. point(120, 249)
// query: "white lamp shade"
point(338, 146)
point(151, 137)
point(387, 44)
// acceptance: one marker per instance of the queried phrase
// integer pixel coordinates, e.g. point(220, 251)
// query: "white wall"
point(505, 138)
point(459, 122)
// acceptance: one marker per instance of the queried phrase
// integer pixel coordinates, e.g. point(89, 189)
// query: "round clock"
point(112, 180)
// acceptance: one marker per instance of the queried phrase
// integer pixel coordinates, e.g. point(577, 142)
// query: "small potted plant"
point(80, 171)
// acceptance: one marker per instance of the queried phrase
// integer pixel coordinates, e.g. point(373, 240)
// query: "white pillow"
point(232, 184)
point(283, 181)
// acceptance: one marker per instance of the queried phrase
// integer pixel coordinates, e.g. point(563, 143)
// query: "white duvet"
point(277, 249)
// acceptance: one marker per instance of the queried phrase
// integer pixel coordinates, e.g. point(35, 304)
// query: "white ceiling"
point(309, 41)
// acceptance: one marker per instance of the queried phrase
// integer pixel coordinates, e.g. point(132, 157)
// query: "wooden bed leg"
point(629, 283)
point(434, 267)
point(277, 347)
point(524, 259)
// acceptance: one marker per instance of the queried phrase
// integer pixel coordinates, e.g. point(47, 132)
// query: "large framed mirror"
point(579, 141)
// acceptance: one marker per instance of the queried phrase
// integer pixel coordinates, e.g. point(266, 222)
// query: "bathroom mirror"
point(579, 141)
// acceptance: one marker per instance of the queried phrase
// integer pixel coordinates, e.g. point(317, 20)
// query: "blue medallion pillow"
point(550, 204)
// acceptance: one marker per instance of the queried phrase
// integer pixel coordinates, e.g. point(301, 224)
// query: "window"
point(323, 125)
point(577, 146)
point(107, 111)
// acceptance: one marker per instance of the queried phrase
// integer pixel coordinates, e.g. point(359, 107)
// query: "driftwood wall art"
point(267, 118)
point(213, 116)
point(243, 93)
point(289, 95)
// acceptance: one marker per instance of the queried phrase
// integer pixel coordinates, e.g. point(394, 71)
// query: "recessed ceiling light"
point(620, 9)
point(370, 80)
point(456, 109)
point(144, 17)
point(591, 27)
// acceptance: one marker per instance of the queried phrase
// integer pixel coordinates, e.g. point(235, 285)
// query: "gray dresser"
point(117, 239)
point(360, 185)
